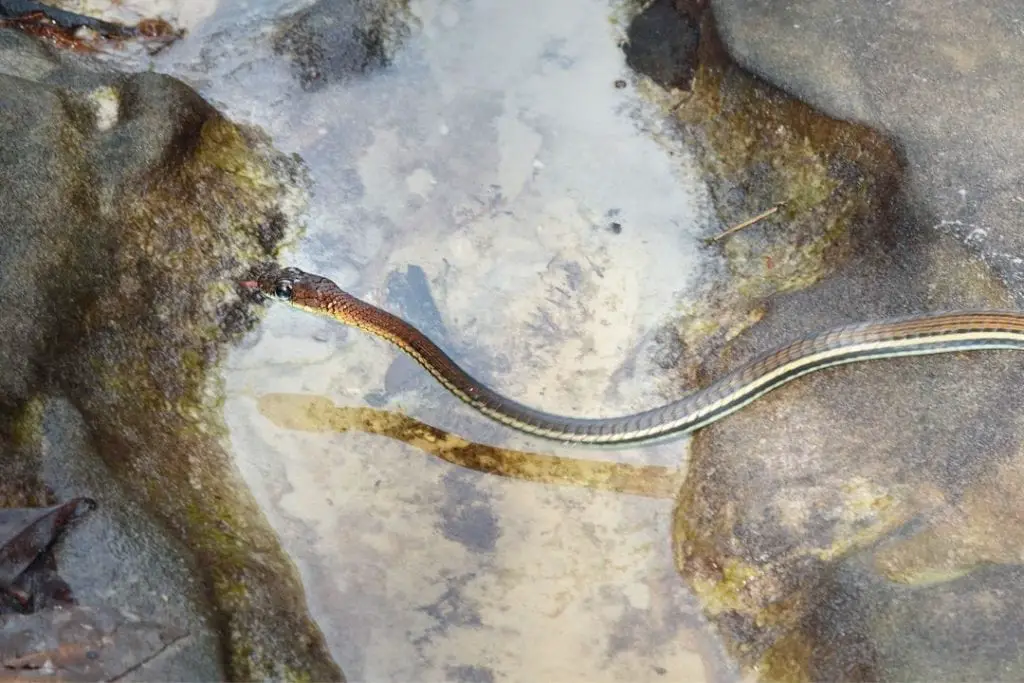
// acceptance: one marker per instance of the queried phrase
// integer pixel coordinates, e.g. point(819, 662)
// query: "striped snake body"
point(919, 335)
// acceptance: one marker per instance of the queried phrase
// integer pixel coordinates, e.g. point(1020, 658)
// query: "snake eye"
point(283, 289)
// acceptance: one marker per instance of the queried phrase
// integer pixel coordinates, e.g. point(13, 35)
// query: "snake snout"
point(250, 289)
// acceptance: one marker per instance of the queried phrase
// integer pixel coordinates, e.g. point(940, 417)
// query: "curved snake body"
point(919, 335)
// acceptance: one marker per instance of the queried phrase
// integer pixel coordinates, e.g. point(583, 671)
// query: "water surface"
point(497, 188)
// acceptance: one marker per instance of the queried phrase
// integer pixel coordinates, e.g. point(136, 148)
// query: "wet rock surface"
point(130, 206)
point(832, 528)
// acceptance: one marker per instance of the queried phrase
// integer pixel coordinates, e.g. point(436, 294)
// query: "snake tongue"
point(252, 289)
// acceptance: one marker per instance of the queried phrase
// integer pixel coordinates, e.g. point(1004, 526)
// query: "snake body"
point(919, 335)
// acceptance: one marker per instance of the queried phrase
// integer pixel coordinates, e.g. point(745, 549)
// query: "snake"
point(922, 334)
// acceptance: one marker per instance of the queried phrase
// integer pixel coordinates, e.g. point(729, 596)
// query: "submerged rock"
point(334, 41)
point(130, 208)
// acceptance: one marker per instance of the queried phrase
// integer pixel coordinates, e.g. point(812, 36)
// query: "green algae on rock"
point(21, 485)
point(131, 206)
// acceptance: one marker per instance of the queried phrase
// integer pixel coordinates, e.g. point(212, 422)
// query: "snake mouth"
point(251, 291)
point(250, 281)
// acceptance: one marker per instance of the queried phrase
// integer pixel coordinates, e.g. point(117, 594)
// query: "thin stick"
point(745, 224)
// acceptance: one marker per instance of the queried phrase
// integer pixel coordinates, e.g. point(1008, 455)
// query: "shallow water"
point(471, 187)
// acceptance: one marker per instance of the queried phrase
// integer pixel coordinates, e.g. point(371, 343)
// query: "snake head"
point(288, 285)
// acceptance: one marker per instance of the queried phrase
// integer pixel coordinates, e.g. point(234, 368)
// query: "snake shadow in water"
point(319, 414)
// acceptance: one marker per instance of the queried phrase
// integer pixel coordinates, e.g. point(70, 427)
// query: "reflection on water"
point(316, 413)
point(495, 187)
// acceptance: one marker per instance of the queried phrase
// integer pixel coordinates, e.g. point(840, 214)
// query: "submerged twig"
point(745, 224)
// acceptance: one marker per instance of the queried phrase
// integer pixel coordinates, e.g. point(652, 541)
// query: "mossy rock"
point(131, 208)
point(829, 182)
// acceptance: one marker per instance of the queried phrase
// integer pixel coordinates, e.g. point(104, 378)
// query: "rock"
point(334, 41)
point(944, 628)
point(662, 44)
point(943, 81)
point(833, 527)
point(831, 185)
point(83, 644)
point(130, 209)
